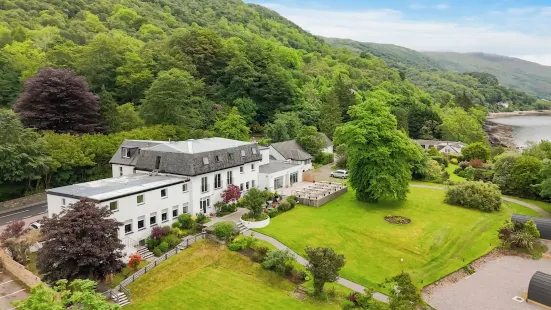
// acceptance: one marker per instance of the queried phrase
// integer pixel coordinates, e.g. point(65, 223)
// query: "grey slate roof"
point(291, 150)
point(133, 146)
point(543, 224)
point(187, 157)
point(112, 188)
point(443, 143)
point(275, 166)
point(539, 289)
point(326, 139)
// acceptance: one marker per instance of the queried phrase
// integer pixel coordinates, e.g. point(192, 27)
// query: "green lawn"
point(125, 273)
point(454, 177)
point(439, 240)
point(208, 276)
point(544, 205)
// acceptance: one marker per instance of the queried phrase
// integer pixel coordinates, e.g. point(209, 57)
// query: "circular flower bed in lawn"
point(396, 219)
point(255, 223)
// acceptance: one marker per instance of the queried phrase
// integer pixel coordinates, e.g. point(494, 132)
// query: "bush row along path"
point(301, 260)
point(522, 203)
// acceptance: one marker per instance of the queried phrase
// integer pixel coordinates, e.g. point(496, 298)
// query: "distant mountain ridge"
point(530, 77)
point(522, 75)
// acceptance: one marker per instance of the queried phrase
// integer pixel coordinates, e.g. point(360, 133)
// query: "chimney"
point(190, 145)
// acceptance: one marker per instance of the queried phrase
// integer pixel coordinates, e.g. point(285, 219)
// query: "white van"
point(341, 174)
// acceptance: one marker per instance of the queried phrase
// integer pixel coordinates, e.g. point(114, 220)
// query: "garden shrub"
point(284, 206)
point(458, 170)
point(172, 240)
point(163, 246)
point(258, 257)
point(476, 195)
point(469, 173)
point(530, 227)
point(273, 213)
point(218, 207)
point(201, 218)
point(166, 230)
point(476, 163)
point(324, 158)
point(151, 243)
point(185, 220)
point(347, 304)
point(134, 261)
point(464, 164)
point(293, 200)
point(176, 225)
point(157, 233)
point(224, 231)
point(279, 261)
point(176, 231)
point(157, 252)
point(242, 243)
point(454, 161)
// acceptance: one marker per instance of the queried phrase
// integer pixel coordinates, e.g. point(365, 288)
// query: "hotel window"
point(185, 208)
point(204, 184)
point(241, 186)
point(252, 167)
point(230, 156)
point(217, 158)
point(205, 161)
point(204, 203)
point(242, 169)
point(164, 193)
point(140, 200)
point(174, 212)
point(141, 222)
point(125, 153)
point(293, 178)
point(164, 215)
point(113, 206)
point(62, 201)
point(254, 151)
point(128, 227)
point(229, 178)
point(153, 219)
point(252, 183)
point(247, 185)
point(278, 183)
point(120, 171)
point(217, 181)
point(243, 153)
point(184, 187)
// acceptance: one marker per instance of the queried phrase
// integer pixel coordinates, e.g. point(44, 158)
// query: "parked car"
point(342, 174)
point(35, 225)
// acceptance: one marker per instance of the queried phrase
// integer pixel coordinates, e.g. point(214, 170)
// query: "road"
point(28, 214)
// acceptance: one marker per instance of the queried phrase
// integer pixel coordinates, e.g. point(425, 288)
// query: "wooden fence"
point(180, 247)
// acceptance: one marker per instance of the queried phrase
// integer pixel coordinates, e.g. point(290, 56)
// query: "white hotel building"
point(155, 181)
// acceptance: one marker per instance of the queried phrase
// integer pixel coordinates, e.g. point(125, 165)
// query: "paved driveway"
point(321, 174)
point(492, 286)
point(10, 291)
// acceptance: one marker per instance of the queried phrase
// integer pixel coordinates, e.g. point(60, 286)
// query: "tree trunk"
point(318, 286)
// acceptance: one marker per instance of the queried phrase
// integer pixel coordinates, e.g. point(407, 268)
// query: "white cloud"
point(391, 26)
point(442, 6)
point(418, 6)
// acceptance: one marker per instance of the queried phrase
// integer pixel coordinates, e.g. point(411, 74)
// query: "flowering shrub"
point(231, 194)
point(134, 261)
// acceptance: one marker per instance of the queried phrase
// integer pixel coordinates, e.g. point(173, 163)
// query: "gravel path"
point(301, 260)
point(492, 286)
point(522, 203)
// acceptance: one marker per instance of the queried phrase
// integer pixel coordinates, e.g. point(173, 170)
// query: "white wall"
point(125, 170)
point(265, 156)
point(128, 209)
point(267, 180)
point(248, 175)
point(328, 149)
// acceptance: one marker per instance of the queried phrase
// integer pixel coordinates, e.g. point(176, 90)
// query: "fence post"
point(187, 243)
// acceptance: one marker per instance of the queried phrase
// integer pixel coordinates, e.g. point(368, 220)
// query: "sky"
point(519, 28)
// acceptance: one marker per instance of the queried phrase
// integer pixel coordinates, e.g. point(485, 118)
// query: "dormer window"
point(205, 161)
point(217, 158)
point(230, 156)
point(125, 153)
point(254, 151)
point(243, 153)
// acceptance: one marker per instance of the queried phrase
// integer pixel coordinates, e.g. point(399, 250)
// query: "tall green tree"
point(232, 126)
point(379, 155)
point(173, 99)
point(476, 150)
point(310, 139)
point(324, 264)
point(127, 118)
point(330, 115)
point(459, 125)
point(284, 127)
point(345, 94)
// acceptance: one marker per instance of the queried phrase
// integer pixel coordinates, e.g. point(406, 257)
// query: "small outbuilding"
point(543, 224)
point(539, 289)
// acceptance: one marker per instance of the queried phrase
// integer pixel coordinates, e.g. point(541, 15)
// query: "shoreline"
point(500, 134)
point(518, 113)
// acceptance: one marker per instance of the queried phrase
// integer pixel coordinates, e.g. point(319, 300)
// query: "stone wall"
point(18, 270)
point(22, 202)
